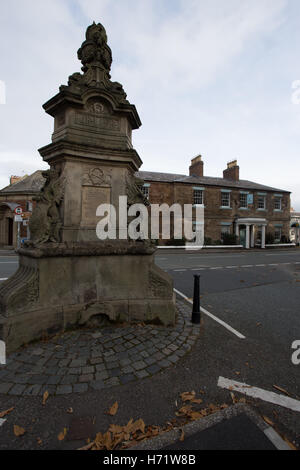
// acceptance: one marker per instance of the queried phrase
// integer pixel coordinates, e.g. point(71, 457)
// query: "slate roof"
point(205, 180)
point(29, 185)
point(33, 183)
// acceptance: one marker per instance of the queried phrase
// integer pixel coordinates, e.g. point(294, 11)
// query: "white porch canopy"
point(250, 223)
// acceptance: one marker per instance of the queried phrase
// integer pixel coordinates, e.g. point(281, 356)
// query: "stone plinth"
point(68, 285)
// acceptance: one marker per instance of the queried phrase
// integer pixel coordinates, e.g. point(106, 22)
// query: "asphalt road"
point(255, 293)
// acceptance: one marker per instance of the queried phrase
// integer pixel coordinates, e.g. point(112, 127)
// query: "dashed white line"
point(4, 279)
point(221, 322)
point(255, 392)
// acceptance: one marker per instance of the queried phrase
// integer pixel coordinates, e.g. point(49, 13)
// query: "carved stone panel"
point(92, 197)
point(96, 177)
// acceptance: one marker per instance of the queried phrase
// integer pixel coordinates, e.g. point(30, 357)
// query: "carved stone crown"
point(94, 50)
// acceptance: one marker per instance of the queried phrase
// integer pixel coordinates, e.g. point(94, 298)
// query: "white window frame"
point(245, 202)
point(198, 197)
point(225, 193)
point(262, 197)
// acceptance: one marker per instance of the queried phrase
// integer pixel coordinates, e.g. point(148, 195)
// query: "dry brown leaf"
point(70, 410)
point(182, 436)
point(62, 434)
point(187, 396)
point(113, 410)
point(39, 441)
point(4, 413)
point(139, 425)
point(45, 397)
point(18, 431)
point(268, 421)
point(197, 401)
point(115, 429)
point(107, 441)
point(281, 390)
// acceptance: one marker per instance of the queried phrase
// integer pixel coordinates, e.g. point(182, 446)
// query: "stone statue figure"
point(45, 222)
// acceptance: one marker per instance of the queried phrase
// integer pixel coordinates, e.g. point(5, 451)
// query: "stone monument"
point(67, 277)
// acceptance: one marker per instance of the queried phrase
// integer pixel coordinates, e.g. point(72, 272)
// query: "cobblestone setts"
point(79, 361)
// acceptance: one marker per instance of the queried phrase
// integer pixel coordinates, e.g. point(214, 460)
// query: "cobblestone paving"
point(95, 359)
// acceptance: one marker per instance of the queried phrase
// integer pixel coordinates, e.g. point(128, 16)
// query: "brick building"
point(19, 193)
point(255, 213)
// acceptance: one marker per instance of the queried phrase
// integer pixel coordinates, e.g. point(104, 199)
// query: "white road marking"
point(4, 279)
point(9, 262)
point(179, 270)
point(221, 322)
point(231, 267)
point(2, 421)
point(255, 392)
point(247, 266)
point(259, 265)
point(217, 267)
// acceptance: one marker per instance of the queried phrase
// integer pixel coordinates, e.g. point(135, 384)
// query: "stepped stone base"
point(61, 286)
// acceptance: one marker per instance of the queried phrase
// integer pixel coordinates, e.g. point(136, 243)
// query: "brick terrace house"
point(255, 213)
point(251, 211)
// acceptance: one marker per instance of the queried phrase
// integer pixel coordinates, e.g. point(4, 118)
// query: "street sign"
point(18, 218)
point(18, 210)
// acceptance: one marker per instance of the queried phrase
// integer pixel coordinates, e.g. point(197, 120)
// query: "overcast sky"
point(207, 77)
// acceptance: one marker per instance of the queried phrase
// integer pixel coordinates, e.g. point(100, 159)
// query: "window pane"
point(198, 196)
point(225, 200)
point(244, 200)
point(146, 191)
point(278, 203)
point(262, 202)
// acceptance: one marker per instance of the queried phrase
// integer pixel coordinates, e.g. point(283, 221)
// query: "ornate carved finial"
point(94, 50)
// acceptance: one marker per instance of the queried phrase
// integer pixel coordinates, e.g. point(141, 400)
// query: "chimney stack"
point(196, 168)
point(232, 171)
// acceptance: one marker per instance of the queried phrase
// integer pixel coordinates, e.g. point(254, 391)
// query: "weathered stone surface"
point(67, 276)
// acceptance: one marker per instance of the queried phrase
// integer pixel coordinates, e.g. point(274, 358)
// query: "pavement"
point(145, 369)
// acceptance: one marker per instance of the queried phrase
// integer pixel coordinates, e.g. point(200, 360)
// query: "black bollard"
point(196, 315)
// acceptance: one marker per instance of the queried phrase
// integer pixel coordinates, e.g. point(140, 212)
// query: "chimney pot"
point(232, 171)
point(196, 168)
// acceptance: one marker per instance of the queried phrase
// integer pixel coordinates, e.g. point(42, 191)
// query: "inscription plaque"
point(92, 197)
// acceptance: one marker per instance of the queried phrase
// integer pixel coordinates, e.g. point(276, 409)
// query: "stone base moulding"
point(55, 289)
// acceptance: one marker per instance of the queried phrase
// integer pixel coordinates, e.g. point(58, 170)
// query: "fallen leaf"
point(237, 373)
point(70, 410)
point(197, 401)
point(4, 413)
point(18, 431)
point(45, 397)
point(113, 410)
point(268, 421)
point(182, 436)
point(188, 396)
point(62, 435)
point(281, 390)
point(39, 441)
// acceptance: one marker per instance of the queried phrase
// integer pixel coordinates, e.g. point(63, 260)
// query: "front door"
point(243, 236)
